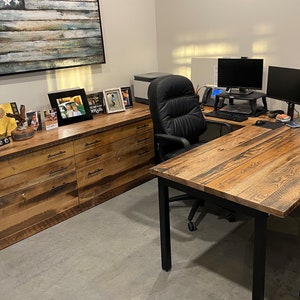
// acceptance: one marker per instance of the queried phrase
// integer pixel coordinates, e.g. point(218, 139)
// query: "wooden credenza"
point(62, 172)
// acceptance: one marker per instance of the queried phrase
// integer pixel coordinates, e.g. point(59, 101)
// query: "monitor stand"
point(240, 92)
point(242, 108)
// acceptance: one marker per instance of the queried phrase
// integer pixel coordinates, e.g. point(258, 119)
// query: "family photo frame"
point(127, 97)
point(113, 100)
point(71, 106)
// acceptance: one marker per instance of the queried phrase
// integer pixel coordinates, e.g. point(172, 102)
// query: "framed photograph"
point(71, 106)
point(50, 119)
point(34, 119)
point(113, 100)
point(127, 98)
point(95, 101)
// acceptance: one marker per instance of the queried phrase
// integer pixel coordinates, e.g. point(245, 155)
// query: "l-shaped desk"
point(254, 170)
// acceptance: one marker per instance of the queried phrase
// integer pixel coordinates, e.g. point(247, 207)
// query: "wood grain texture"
point(64, 171)
point(253, 166)
point(61, 135)
point(39, 35)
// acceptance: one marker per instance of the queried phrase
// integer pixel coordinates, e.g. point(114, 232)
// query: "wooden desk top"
point(252, 166)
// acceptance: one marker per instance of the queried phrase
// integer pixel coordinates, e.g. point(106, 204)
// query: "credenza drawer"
point(127, 146)
point(38, 202)
point(36, 175)
point(124, 159)
point(107, 137)
point(38, 158)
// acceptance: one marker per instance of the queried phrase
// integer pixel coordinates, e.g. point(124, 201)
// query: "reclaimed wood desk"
point(254, 170)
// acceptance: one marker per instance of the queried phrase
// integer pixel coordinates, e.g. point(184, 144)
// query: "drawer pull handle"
point(94, 172)
point(56, 154)
point(143, 140)
point(57, 188)
point(53, 172)
point(92, 143)
point(144, 152)
point(94, 157)
point(142, 126)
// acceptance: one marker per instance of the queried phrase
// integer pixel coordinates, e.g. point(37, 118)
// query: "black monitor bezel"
point(286, 86)
point(227, 82)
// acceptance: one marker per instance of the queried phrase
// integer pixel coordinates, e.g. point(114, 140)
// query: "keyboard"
point(227, 115)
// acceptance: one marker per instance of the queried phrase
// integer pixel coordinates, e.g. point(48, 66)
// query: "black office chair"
point(178, 125)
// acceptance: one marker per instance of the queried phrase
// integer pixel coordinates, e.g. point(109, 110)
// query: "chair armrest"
point(227, 125)
point(171, 138)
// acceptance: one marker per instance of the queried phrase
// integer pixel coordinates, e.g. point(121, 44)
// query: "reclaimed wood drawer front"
point(37, 175)
point(35, 159)
point(123, 155)
point(142, 143)
point(37, 203)
point(95, 155)
point(111, 184)
point(110, 136)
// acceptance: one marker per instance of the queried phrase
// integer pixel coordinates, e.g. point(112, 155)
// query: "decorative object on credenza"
point(71, 106)
point(7, 125)
point(95, 101)
point(71, 35)
point(4, 141)
point(127, 97)
point(23, 131)
point(113, 100)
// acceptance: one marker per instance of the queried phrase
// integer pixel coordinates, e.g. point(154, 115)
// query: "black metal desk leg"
point(259, 256)
point(164, 219)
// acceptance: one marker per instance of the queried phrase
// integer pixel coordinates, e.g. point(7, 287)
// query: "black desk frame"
point(260, 230)
point(252, 98)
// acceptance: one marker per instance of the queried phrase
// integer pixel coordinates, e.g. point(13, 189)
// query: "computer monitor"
point(284, 84)
point(244, 74)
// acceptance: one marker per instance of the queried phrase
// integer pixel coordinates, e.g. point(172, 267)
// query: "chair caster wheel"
point(192, 226)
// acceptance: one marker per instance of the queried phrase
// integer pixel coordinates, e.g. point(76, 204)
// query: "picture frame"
point(95, 101)
point(113, 100)
point(34, 119)
point(50, 119)
point(71, 106)
point(127, 96)
point(71, 42)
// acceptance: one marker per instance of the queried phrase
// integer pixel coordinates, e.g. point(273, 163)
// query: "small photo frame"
point(34, 120)
point(95, 101)
point(127, 98)
point(113, 100)
point(71, 106)
point(50, 119)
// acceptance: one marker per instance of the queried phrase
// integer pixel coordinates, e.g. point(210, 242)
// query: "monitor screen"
point(243, 73)
point(284, 84)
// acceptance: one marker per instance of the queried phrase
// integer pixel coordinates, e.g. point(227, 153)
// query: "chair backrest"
point(175, 108)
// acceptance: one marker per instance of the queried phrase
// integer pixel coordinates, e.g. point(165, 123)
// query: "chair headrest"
point(170, 86)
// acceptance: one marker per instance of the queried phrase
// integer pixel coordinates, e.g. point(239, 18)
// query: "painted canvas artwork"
point(42, 35)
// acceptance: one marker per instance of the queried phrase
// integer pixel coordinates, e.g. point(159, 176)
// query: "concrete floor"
point(112, 252)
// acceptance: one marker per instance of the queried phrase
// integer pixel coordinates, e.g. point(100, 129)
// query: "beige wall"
point(149, 35)
point(232, 28)
point(130, 45)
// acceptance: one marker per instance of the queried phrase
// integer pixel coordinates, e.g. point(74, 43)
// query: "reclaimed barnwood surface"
point(253, 166)
point(49, 34)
